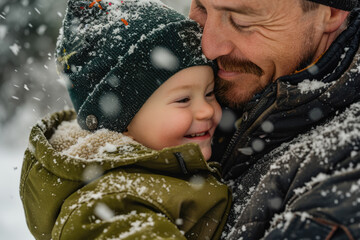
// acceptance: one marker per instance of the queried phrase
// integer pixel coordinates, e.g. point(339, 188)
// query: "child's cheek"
point(218, 113)
point(176, 127)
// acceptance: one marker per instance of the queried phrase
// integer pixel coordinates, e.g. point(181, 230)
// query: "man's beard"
point(309, 55)
point(224, 88)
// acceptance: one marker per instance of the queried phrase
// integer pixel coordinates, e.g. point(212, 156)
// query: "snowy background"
point(29, 89)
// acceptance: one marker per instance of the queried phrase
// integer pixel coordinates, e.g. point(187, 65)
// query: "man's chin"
point(231, 95)
point(235, 103)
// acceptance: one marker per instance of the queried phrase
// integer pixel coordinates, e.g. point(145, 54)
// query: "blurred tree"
point(28, 32)
point(182, 6)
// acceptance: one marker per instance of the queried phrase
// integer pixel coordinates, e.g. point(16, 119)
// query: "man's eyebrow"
point(199, 4)
point(238, 9)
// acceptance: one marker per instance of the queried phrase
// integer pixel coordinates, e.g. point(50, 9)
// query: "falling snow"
point(15, 48)
point(163, 58)
point(3, 31)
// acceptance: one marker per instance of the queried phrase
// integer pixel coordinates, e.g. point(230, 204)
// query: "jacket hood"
point(82, 153)
point(71, 140)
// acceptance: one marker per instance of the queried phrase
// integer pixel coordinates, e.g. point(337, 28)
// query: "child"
point(134, 67)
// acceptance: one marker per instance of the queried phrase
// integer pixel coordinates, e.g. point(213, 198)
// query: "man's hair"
point(308, 5)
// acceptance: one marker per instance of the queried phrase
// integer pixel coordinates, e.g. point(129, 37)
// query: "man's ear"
point(335, 20)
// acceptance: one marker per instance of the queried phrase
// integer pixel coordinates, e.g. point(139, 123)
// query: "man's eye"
point(237, 26)
point(210, 94)
point(183, 100)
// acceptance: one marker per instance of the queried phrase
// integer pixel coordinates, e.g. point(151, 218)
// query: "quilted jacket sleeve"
point(112, 216)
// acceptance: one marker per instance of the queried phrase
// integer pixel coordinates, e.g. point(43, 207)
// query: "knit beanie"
point(115, 54)
point(346, 5)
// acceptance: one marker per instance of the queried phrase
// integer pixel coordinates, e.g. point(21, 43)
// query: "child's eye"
point(183, 100)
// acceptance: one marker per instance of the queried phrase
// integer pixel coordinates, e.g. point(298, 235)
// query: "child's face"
point(181, 110)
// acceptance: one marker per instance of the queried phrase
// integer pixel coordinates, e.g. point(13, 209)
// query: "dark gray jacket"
point(294, 161)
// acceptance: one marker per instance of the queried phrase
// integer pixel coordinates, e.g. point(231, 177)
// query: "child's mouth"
point(198, 135)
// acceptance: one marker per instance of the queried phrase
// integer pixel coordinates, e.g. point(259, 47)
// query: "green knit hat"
point(115, 54)
point(346, 5)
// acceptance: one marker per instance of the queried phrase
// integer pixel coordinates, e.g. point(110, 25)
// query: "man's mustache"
point(242, 66)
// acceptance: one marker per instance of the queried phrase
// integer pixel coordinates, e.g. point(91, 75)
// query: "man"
point(290, 68)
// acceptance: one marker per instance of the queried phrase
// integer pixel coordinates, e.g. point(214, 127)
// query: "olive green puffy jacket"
point(140, 193)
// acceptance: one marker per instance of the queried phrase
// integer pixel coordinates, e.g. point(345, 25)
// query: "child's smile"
point(201, 136)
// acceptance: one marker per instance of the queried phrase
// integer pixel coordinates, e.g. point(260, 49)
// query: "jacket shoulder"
point(308, 186)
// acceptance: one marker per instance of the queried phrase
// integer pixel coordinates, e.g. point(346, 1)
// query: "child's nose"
point(204, 111)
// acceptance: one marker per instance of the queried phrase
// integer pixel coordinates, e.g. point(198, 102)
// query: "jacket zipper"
point(237, 134)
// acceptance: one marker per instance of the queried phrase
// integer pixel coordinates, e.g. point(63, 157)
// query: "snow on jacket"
point(294, 161)
point(103, 185)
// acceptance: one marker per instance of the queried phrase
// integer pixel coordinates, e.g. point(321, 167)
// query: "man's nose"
point(215, 41)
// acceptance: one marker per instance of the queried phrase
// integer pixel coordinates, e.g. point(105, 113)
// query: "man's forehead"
point(240, 6)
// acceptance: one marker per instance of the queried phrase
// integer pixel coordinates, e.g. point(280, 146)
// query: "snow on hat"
point(346, 5)
point(115, 54)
